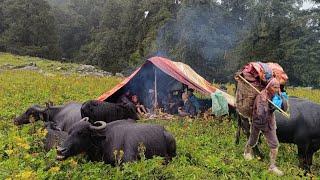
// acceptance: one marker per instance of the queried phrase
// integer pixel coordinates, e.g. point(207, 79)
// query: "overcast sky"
point(309, 4)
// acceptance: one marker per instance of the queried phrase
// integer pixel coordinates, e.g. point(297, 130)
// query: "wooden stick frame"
point(283, 112)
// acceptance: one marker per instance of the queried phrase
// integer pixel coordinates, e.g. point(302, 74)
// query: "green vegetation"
point(206, 149)
point(214, 37)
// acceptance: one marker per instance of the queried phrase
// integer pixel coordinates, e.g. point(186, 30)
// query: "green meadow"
point(205, 148)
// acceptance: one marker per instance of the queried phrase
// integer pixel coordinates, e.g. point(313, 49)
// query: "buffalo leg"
point(129, 157)
point(302, 155)
point(238, 129)
point(309, 157)
point(309, 161)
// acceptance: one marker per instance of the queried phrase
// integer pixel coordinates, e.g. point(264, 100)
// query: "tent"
point(161, 75)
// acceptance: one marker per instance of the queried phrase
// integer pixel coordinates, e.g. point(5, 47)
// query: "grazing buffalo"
point(302, 129)
point(107, 112)
point(118, 141)
point(59, 117)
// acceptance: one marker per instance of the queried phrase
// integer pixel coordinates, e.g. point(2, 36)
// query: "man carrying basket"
point(260, 106)
point(263, 120)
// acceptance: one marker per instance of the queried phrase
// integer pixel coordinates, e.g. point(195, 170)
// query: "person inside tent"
point(140, 108)
point(193, 100)
point(171, 104)
point(125, 98)
point(188, 109)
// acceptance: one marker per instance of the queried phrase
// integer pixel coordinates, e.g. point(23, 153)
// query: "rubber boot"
point(273, 168)
point(248, 152)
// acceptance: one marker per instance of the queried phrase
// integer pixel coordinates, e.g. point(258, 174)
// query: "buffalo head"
point(108, 112)
point(32, 114)
point(90, 108)
point(82, 137)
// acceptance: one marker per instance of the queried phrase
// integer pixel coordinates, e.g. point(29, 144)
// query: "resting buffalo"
point(60, 117)
point(302, 129)
point(54, 138)
point(107, 112)
point(118, 141)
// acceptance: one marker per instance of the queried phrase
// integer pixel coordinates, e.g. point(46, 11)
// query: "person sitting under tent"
point(188, 108)
point(171, 104)
point(140, 108)
point(125, 98)
point(194, 100)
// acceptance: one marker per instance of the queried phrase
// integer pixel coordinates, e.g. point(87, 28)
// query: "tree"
point(29, 28)
point(280, 32)
point(125, 34)
point(73, 32)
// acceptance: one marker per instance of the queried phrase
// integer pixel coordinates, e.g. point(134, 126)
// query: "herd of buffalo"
point(104, 131)
point(109, 132)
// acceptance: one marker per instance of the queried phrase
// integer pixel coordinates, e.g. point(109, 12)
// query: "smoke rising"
point(201, 34)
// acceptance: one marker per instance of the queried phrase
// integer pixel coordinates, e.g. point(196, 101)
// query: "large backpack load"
point(258, 74)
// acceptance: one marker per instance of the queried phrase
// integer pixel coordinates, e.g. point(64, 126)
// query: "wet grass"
point(206, 149)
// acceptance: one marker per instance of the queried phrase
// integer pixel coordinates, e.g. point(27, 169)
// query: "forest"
point(214, 37)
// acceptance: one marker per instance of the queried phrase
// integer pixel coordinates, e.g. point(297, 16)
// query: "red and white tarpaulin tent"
point(176, 70)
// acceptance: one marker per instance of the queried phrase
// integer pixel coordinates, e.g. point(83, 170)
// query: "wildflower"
point(42, 132)
point(18, 139)
point(73, 163)
point(24, 145)
point(27, 156)
point(118, 155)
point(54, 169)
point(27, 174)
point(9, 151)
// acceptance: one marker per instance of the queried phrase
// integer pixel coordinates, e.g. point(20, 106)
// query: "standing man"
point(263, 120)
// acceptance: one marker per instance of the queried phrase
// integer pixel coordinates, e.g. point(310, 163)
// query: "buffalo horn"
point(85, 119)
point(102, 126)
point(39, 109)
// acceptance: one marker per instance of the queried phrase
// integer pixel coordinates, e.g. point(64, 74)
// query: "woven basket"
point(245, 96)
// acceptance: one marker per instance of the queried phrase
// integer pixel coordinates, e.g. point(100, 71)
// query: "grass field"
point(205, 149)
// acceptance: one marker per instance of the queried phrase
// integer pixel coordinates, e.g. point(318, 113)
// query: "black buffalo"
point(302, 129)
point(54, 138)
point(118, 141)
point(107, 112)
point(59, 117)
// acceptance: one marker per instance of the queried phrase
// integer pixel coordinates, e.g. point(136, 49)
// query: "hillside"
point(215, 37)
point(205, 149)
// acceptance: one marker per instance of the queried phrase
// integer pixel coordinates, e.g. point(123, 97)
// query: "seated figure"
point(194, 100)
point(125, 98)
point(188, 109)
point(171, 104)
point(140, 108)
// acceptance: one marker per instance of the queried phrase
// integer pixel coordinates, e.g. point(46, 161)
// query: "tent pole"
point(155, 89)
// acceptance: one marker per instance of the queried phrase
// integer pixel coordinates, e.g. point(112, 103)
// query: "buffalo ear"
point(49, 104)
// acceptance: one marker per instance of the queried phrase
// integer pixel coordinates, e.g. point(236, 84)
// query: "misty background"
point(215, 37)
